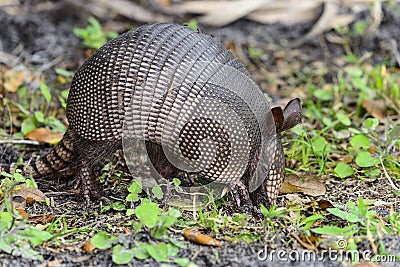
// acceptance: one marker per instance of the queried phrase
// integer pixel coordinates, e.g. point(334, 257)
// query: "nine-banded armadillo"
point(150, 66)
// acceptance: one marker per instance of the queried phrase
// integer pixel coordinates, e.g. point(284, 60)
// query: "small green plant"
point(17, 237)
point(253, 52)
point(309, 221)
point(328, 148)
point(150, 219)
point(34, 110)
point(93, 35)
point(361, 220)
point(192, 24)
point(275, 218)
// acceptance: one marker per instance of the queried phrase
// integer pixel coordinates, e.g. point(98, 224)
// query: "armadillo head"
point(284, 119)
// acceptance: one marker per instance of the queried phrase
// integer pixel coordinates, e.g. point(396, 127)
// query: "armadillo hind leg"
point(91, 154)
point(87, 179)
point(57, 159)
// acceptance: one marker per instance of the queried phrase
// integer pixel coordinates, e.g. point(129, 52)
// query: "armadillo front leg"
point(90, 154)
point(242, 198)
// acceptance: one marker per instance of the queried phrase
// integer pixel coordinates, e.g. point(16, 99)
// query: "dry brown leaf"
point(42, 219)
point(33, 194)
point(163, 3)
point(319, 205)
point(324, 204)
point(309, 185)
point(88, 247)
point(286, 17)
point(324, 23)
point(289, 188)
point(44, 135)
point(374, 107)
point(13, 80)
point(23, 213)
point(194, 235)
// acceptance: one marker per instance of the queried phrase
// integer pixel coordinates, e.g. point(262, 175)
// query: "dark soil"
point(41, 31)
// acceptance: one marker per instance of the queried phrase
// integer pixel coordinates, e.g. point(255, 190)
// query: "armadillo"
point(146, 71)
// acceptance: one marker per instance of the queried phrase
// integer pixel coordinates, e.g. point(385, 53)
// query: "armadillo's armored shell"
point(155, 79)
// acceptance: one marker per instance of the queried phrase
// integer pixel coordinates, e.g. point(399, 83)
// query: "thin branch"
point(388, 177)
point(17, 142)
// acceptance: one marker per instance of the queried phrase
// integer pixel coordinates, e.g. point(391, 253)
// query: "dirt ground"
point(42, 33)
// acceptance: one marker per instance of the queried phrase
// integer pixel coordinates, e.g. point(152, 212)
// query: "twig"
point(8, 59)
point(51, 64)
point(388, 177)
point(377, 16)
point(16, 142)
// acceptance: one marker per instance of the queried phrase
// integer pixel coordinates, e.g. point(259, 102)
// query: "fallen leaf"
point(42, 218)
point(23, 213)
point(309, 185)
point(319, 205)
point(13, 80)
point(164, 3)
point(374, 107)
point(220, 13)
point(194, 235)
point(289, 188)
point(33, 194)
point(324, 204)
point(19, 202)
point(88, 247)
point(44, 135)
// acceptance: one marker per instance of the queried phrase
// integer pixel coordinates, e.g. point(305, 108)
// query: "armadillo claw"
point(249, 203)
point(258, 197)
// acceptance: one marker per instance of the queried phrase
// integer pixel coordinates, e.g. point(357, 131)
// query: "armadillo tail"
point(58, 158)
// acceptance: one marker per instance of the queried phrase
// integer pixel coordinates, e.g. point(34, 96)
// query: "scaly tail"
point(58, 158)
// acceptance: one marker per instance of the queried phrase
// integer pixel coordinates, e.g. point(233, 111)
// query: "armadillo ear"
point(291, 114)
point(277, 113)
